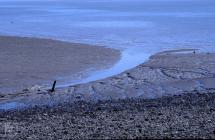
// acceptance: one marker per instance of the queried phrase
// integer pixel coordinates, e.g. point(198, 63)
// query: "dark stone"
point(98, 108)
point(65, 132)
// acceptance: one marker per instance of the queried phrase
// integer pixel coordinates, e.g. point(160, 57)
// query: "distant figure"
point(194, 51)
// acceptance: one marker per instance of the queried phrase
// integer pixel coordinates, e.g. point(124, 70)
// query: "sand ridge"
point(25, 62)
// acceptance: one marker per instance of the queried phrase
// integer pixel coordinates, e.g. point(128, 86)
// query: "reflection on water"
point(128, 60)
point(11, 106)
point(139, 27)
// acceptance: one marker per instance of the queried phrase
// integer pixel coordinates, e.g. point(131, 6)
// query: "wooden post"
point(53, 86)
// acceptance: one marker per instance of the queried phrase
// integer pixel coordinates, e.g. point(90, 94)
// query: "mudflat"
point(25, 62)
point(164, 74)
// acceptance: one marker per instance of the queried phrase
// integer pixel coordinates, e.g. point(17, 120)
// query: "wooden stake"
point(53, 86)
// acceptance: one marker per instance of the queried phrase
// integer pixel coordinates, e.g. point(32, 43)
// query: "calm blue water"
point(138, 27)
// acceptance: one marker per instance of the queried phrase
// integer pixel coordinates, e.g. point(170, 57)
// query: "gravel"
point(190, 115)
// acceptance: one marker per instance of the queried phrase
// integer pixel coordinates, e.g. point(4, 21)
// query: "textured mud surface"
point(167, 73)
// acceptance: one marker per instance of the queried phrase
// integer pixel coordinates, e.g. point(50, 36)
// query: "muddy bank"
point(26, 61)
point(167, 73)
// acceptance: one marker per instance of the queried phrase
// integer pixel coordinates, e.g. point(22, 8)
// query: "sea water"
point(139, 28)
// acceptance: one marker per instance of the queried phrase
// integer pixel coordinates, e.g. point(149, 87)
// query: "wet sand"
point(164, 74)
point(25, 62)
